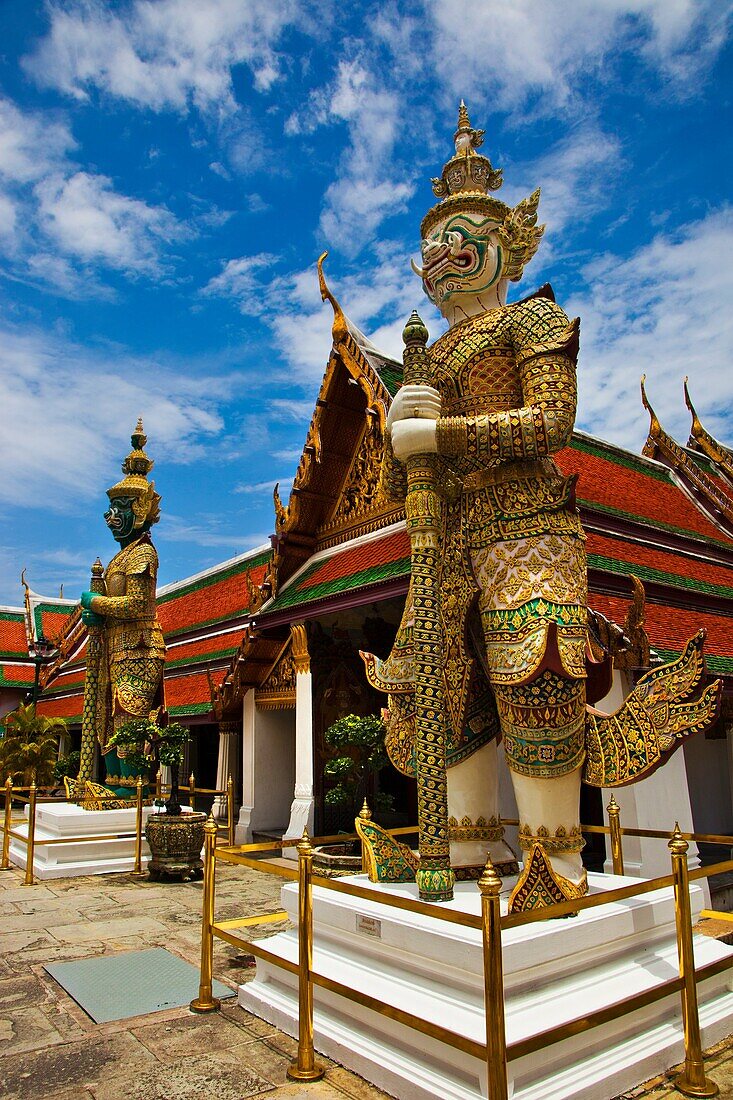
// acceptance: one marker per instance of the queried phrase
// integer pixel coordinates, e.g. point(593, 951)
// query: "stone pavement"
point(50, 1048)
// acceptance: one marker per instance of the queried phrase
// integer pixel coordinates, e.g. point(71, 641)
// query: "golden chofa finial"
point(696, 428)
point(655, 428)
point(339, 328)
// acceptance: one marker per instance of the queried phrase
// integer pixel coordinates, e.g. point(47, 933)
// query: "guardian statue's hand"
point(418, 402)
point(414, 437)
point(91, 618)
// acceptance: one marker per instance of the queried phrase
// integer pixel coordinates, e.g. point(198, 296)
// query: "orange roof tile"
point(627, 484)
point(220, 598)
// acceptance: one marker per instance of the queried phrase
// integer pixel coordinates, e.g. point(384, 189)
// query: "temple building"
point(263, 649)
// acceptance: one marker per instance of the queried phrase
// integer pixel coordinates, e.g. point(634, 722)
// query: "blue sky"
point(170, 171)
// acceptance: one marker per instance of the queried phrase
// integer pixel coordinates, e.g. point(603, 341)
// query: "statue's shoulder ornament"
point(540, 327)
point(143, 557)
point(139, 557)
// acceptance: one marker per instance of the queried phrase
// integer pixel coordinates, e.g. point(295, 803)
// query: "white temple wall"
point(708, 775)
point(268, 769)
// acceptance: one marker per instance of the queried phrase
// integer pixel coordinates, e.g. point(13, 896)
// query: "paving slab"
point(107, 929)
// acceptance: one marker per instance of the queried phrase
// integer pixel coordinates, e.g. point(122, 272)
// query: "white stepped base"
point(55, 821)
point(553, 972)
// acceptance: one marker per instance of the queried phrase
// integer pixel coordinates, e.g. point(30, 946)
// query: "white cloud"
point(7, 216)
point(58, 223)
point(88, 219)
point(31, 144)
point(266, 488)
point(538, 51)
point(664, 311)
point(368, 187)
point(378, 298)
point(166, 54)
point(68, 417)
point(240, 279)
point(204, 530)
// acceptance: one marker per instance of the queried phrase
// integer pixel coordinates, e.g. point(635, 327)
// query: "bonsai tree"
point(67, 766)
point(29, 746)
point(359, 753)
point(146, 744)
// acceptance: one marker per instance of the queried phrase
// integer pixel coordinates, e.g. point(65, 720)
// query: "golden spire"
point(466, 139)
point(467, 171)
point(135, 484)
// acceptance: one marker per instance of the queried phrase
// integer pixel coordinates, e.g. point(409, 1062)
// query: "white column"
point(225, 766)
point(243, 834)
point(301, 810)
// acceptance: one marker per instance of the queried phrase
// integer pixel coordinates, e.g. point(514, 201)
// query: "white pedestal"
point(58, 821)
point(553, 972)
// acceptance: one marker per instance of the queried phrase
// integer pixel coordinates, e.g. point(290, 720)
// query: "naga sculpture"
point(494, 638)
point(126, 651)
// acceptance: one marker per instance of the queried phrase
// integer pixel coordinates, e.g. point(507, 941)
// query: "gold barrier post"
point(191, 790)
point(206, 1002)
point(138, 868)
point(230, 811)
point(158, 785)
point(692, 1081)
point(30, 848)
point(5, 865)
point(490, 886)
point(614, 821)
point(365, 814)
point(305, 1068)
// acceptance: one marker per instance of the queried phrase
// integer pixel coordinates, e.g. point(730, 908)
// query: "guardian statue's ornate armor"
point(126, 646)
point(496, 399)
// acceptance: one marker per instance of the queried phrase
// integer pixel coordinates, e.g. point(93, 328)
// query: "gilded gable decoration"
point(277, 691)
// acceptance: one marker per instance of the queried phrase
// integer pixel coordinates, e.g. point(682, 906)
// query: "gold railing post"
point(365, 814)
point(230, 811)
point(7, 821)
point(158, 785)
point(191, 790)
point(138, 868)
point(206, 1001)
point(614, 821)
point(31, 845)
point(305, 1067)
point(692, 1081)
point(490, 886)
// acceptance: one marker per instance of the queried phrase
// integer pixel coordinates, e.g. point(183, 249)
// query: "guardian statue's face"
point(461, 257)
point(120, 518)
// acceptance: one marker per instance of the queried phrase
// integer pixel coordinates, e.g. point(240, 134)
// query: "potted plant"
point(175, 839)
point(359, 754)
point(357, 742)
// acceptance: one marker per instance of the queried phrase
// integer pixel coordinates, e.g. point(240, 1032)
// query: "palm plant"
point(29, 746)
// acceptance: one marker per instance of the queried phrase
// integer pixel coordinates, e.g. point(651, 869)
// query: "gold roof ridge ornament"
point(465, 184)
point(135, 484)
point(340, 328)
point(655, 428)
